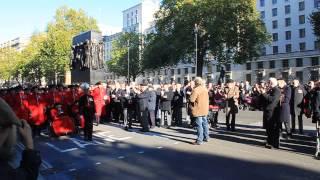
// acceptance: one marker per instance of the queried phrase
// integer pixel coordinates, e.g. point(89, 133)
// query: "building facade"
point(293, 53)
point(18, 43)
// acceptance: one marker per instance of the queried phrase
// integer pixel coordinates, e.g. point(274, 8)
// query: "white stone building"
point(18, 43)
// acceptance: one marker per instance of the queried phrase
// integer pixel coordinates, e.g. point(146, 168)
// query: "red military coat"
point(37, 107)
point(20, 106)
point(99, 94)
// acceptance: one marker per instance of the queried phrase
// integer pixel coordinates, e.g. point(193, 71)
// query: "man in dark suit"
point(296, 105)
point(272, 110)
point(142, 101)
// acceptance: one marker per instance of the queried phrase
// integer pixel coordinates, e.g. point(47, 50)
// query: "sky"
point(24, 17)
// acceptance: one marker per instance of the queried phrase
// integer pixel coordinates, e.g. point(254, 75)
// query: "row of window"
point(288, 48)
point(284, 63)
point(288, 35)
point(301, 4)
point(302, 20)
point(313, 76)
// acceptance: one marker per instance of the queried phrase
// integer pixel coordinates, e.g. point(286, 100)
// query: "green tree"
point(315, 21)
point(57, 48)
point(229, 30)
point(9, 59)
point(119, 62)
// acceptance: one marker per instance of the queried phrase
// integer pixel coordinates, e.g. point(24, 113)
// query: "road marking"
point(71, 170)
point(60, 150)
point(98, 163)
point(160, 147)
point(118, 138)
point(121, 157)
point(141, 152)
point(176, 143)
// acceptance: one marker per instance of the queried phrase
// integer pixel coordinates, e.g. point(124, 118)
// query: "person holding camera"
point(31, 160)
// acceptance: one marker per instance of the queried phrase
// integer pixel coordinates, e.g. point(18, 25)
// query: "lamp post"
point(196, 30)
point(128, 62)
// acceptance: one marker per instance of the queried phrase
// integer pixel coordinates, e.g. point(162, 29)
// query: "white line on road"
point(141, 152)
point(121, 157)
point(160, 147)
point(71, 170)
point(98, 163)
point(176, 143)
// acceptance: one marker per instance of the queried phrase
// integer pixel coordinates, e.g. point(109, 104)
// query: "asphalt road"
point(167, 154)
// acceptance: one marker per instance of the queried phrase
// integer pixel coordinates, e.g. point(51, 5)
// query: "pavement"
point(168, 154)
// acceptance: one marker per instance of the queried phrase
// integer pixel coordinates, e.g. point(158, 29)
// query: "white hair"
point(273, 82)
point(198, 81)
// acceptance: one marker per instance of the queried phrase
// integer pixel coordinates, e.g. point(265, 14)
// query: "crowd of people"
point(78, 107)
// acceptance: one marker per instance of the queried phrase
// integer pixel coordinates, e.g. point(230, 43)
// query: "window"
point(288, 35)
point(288, 22)
point(285, 76)
point(186, 70)
point(317, 45)
point(299, 62)
point(274, 1)
point(248, 66)
point(274, 12)
point(271, 64)
point(179, 80)
point(285, 63)
point(248, 78)
point(260, 65)
point(302, 19)
point(262, 3)
point(314, 61)
point(302, 33)
point(193, 70)
point(172, 72)
point(301, 6)
point(299, 76)
point(287, 9)
point(179, 71)
point(262, 14)
point(275, 37)
point(314, 75)
point(165, 72)
point(288, 48)
point(263, 51)
point(275, 24)
point(302, 46)
point(272, 75)
point(317, 3)
point(275, 50)
point(228, 67)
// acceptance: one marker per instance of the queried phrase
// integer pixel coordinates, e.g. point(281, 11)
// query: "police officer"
point(87, 109)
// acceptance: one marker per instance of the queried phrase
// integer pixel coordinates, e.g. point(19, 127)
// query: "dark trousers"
point(152, 118)
point(127, 117)
point(213, 117)
point(287, 127)
point(88, 127)
point(233, 120)
point(143, 115)
point(177, 116)
point(300, 121)
point(273, 132)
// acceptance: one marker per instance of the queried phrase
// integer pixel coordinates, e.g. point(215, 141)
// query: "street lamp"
point(196, 30)
point(128, 62)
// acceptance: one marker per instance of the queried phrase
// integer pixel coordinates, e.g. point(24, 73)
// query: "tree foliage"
point(229, 30)
point(119, 61)
point(315, 21)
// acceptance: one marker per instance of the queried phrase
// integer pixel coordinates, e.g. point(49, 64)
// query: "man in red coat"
point(99, 93)
point(37, 108)
point(20, 105)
